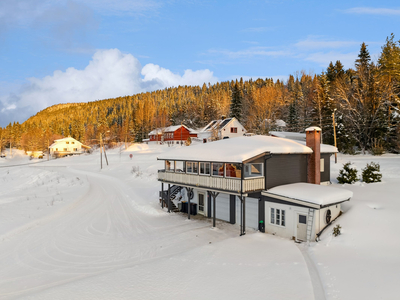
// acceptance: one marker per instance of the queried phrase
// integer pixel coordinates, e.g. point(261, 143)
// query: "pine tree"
point(236, 102)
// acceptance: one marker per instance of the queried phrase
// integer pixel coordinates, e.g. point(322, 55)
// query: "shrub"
point(336, 230)
point(347, 174)
point(371, 173)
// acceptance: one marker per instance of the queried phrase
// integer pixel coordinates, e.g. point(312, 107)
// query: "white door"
point(251, 212)
point(302, 227)
point(202, 204)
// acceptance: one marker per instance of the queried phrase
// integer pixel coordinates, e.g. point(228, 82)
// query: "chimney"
point(313, 140)
point(223, 117)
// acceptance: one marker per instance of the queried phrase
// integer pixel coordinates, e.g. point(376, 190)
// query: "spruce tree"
point(236, 102)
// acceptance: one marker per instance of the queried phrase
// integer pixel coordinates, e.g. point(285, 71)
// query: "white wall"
point(321, 216)
point(227, 130)
point(291, 212)
point(61, 145)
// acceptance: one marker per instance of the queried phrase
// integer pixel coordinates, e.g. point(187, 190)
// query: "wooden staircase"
point(175, 189)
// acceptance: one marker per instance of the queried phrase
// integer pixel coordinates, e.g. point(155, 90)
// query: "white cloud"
point(109, 74)
point(255, 51)
point(315, 42)
point(324, 58)
point(373, 11)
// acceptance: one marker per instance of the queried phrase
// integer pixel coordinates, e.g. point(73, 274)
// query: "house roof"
point(236, 150)
point(314, 194)
point(301, 138)
point(155, 131)
point(217, 125)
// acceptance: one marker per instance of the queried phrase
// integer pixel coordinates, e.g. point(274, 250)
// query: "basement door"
point(301, 227)
point(202, 206)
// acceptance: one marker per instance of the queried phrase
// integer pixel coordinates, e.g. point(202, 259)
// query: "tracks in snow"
point(97, 233)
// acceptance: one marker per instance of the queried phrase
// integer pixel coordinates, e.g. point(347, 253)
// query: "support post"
point(169, 198)
point(242, 215)
point(334, 132)
point(214, 208)
point(162, 194)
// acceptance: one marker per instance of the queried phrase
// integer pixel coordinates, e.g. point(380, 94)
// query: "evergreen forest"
point(364, 101)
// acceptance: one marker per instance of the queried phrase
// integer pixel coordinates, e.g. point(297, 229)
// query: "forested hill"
point(365, 100)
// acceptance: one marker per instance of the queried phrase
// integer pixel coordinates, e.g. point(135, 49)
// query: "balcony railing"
point(219, 183)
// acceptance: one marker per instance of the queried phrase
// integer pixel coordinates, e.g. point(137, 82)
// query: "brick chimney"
point(313, 140)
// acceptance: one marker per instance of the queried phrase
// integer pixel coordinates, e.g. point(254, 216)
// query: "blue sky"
point(57, 51)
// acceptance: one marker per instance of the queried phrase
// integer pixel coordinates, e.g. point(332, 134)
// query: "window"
point(169, 165)
point(65, 149)
point(204, 168)
point(217, 169)
point(321, 165)
point(75, 149)
point(254, 170)
point(278, 217)
point(233, 170)
point(192, 167)
point(233, 129)
point(67, 142)
point(180, 166)
point(72, 142)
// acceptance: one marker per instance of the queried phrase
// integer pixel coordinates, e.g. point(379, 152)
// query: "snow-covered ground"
point(69, 230)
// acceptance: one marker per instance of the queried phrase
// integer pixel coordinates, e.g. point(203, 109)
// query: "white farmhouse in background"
point(67, 146)
point(221, 129)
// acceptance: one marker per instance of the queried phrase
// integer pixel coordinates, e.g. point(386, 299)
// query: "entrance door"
point(202, 201)
point(302, 227)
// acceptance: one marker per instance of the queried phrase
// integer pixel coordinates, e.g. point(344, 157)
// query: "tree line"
point(364, 99)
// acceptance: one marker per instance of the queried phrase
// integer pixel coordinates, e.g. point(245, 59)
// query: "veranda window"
point(254, 170)
point(233, 170)
point(204, 168)
point(170, 166)
point(180, 166)
point(217, 169)
point(192, 167)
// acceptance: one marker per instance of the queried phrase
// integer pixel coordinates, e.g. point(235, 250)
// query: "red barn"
point(178, 134)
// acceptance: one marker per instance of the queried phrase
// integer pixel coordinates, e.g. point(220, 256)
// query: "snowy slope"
point(69, 230)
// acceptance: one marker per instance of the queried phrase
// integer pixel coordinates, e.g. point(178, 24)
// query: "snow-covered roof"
point(66, 139)
point(324, 148)
point(320, 195)
point(216, 124)
point(236, 150)
point(155, 131)
point(289, 135)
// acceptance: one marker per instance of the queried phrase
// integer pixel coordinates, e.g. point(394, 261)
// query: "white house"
point(262, 182)
point(67, 146)
point(221, 129)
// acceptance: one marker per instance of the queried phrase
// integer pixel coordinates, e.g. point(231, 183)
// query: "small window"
point(192, 167)
point(72, 142)
point(302, 219)
point(218, 169)
point(67, 142)
point(65, 149)
point(233, 129)
point(254, 170)
point(204, 168)
point(180, 166)
point(322, 165)
point(233, 170)
point(170, 165)
point(278, 217)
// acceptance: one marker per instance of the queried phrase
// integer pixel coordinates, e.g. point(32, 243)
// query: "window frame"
point(205, 168)
point(234, 130)
point(277, 217)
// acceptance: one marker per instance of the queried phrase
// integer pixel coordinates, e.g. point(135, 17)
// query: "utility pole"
point(101, 155)
point(334, 131)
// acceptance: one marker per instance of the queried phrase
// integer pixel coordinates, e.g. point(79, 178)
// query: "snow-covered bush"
point(347, 174)
point(371, 173)
point(336, 230)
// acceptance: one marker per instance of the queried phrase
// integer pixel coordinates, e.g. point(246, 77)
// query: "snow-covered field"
point(69, 230)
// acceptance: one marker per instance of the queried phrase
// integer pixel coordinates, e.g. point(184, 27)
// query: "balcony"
point(213, 182)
